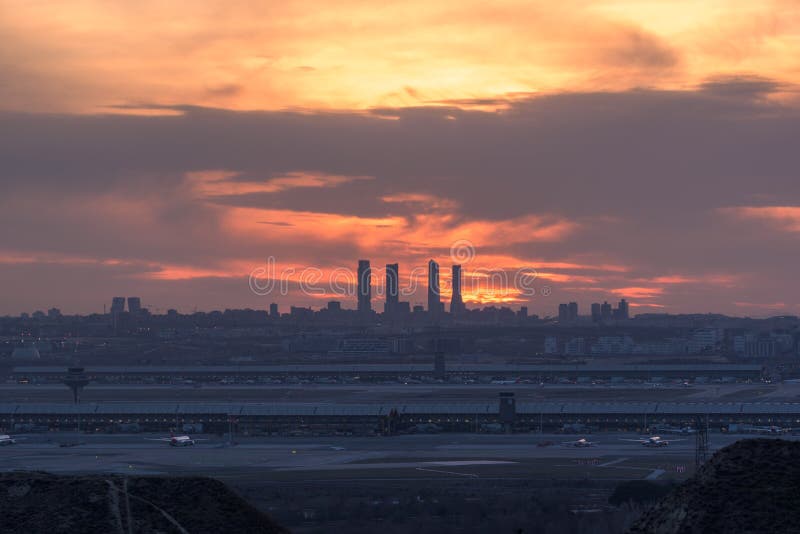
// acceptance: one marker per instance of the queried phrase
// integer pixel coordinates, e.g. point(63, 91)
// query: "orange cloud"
point(638, 292)
point(421, 199)
point(84, 56)
point(711, 279)
point(219, 183)
point(785, 218)
point(394, 236)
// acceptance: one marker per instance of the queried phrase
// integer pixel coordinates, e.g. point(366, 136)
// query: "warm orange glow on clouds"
point(88, 55)
point(638, 292)
point(615, 148)
point(785, 218)
point(220, 183)
point(421, 232)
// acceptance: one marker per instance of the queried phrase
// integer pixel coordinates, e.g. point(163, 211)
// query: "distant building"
point(551, 345)
point(364, 287)
point(434, 303)
point(739, 343)
point(53, 313)
point(456, 301)
point(568, 313)
point(392, 288)
point(613, 345)
point(334, 306)
point(705, 340)
point(118, 305)
point(597, 314)
point(273, 310)
point(575, 347)
point(762, 348)
point(300, 313)
point(605, 311)
point(622, 312)
point(759, 346)
point(134, 305)
point(402, 345)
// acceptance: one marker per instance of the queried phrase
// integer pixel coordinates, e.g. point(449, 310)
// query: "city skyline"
point(600, 153)
point(266, 283)
point(404, 266)
point(418, 283)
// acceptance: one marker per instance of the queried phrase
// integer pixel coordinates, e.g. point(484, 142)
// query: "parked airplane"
point(178, 441)
point(5, 439)
point(653, 441)
point(583, 442)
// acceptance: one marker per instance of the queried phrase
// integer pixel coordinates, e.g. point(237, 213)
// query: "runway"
point(436, 455)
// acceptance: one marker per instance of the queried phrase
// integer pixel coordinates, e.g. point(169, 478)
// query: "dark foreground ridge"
point(752, 486)
point(41, 502)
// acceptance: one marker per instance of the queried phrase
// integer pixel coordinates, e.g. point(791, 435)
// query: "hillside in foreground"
point(751, 486)
point(41, 502)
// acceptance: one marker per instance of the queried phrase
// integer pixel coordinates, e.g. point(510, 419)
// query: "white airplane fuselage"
point(181, 441)
point(5, 439)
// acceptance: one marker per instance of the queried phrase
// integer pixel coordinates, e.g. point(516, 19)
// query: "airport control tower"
point(76, 380)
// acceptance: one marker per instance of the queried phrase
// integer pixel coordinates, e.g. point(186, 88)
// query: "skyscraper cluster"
point(118, 305)
point(393, 305)
point(605, 312)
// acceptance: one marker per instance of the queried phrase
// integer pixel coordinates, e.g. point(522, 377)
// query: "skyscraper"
point(364, 287)
point(118, 305)
point(573, 311)
point(134, 305)
point(605, 311)
point(456, 302)
point(434, 304)
point(273, 310)
point(623, 310)
point(596, 313)
point(392, 288)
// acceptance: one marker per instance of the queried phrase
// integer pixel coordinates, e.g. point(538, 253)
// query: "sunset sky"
point(166, 149)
